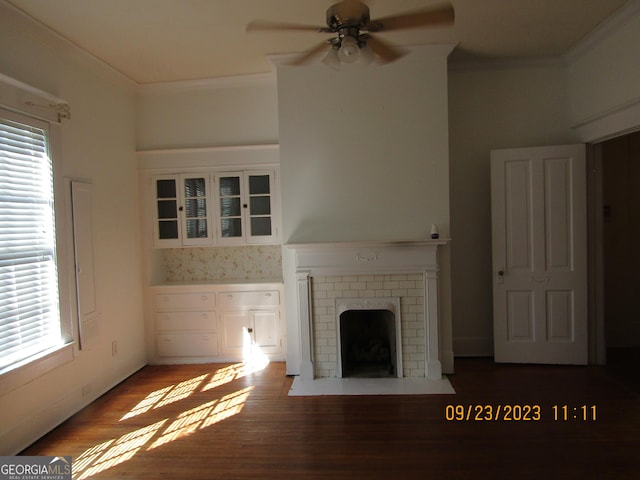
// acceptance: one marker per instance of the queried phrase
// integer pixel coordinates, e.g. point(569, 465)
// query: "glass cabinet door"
point(259, 205)
point(246, 207)
point(195, 207)
point(182, 214)
point(230, 201)
point(167, 209)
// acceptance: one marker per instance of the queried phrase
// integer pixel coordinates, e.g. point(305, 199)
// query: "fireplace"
point(398, 277)
point(369, 338)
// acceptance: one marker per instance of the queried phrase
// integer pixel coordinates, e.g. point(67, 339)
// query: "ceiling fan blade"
point(418, 18)
point(261, 26)
point(383, 50)
point(307, 56)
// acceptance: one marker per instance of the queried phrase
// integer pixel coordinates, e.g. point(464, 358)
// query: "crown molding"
point(608, 27)
point(208, 83)
point(96, 65)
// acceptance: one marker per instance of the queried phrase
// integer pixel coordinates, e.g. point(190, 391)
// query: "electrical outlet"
point(114, 348)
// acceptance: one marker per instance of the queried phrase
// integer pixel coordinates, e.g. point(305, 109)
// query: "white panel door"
point(538, 198)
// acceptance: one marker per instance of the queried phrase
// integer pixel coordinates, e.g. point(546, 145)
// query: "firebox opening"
point(368, 343)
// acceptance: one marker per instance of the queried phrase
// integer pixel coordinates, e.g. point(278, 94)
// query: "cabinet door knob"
point(250, 330)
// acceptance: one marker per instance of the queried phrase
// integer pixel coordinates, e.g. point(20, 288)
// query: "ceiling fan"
point(348, 19)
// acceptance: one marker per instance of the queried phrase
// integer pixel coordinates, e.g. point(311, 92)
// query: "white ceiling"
point(153, 41)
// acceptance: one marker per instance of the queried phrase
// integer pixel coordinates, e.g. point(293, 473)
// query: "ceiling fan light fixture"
point(349, 51)
point(331, 59)
point(350, 20)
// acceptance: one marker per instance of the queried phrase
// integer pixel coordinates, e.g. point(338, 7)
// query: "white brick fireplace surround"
point(328, 274)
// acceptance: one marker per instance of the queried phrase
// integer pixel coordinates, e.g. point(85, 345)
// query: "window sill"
point(49, 360)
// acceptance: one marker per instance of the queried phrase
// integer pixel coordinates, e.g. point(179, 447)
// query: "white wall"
point(98, 144)
point(239, 111)
point(491, 107)
point(364, 151)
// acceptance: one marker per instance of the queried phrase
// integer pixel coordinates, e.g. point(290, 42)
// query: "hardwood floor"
point(225, 422)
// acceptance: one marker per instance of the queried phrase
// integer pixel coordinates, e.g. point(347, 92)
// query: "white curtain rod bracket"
point(62, 109)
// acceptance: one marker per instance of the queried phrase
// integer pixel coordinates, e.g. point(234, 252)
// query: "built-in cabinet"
point(240, 211)
point(217, 323)
point(211, 197)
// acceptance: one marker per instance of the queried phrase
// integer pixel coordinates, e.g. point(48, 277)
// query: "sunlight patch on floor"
point(112, 452)
point(203, 416)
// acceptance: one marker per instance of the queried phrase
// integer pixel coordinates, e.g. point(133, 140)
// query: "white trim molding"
point(236, 156)
point(611, 123)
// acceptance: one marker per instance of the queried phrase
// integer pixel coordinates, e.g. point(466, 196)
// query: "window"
point(30, 324)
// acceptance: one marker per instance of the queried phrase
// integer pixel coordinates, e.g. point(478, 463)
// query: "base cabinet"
point(217, 323)
point(250, 333)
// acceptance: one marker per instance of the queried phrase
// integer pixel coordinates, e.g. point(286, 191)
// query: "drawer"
point(187, 345)
point(198, 321)
point(184, 301)
point(231, 300)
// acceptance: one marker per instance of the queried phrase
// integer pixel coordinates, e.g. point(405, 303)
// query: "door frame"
point(595, 256)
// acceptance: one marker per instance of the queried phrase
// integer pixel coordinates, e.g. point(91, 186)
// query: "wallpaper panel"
point(262, 262)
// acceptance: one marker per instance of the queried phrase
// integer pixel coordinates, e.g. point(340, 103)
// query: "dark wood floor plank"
point(220, 421)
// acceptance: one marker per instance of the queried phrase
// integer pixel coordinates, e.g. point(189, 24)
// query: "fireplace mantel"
point(368, 258)
point(336, 258)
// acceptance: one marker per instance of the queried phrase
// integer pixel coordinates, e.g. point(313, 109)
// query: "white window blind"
point(29, 310)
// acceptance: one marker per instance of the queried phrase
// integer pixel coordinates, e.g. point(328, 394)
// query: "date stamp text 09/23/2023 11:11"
point(519, 413)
